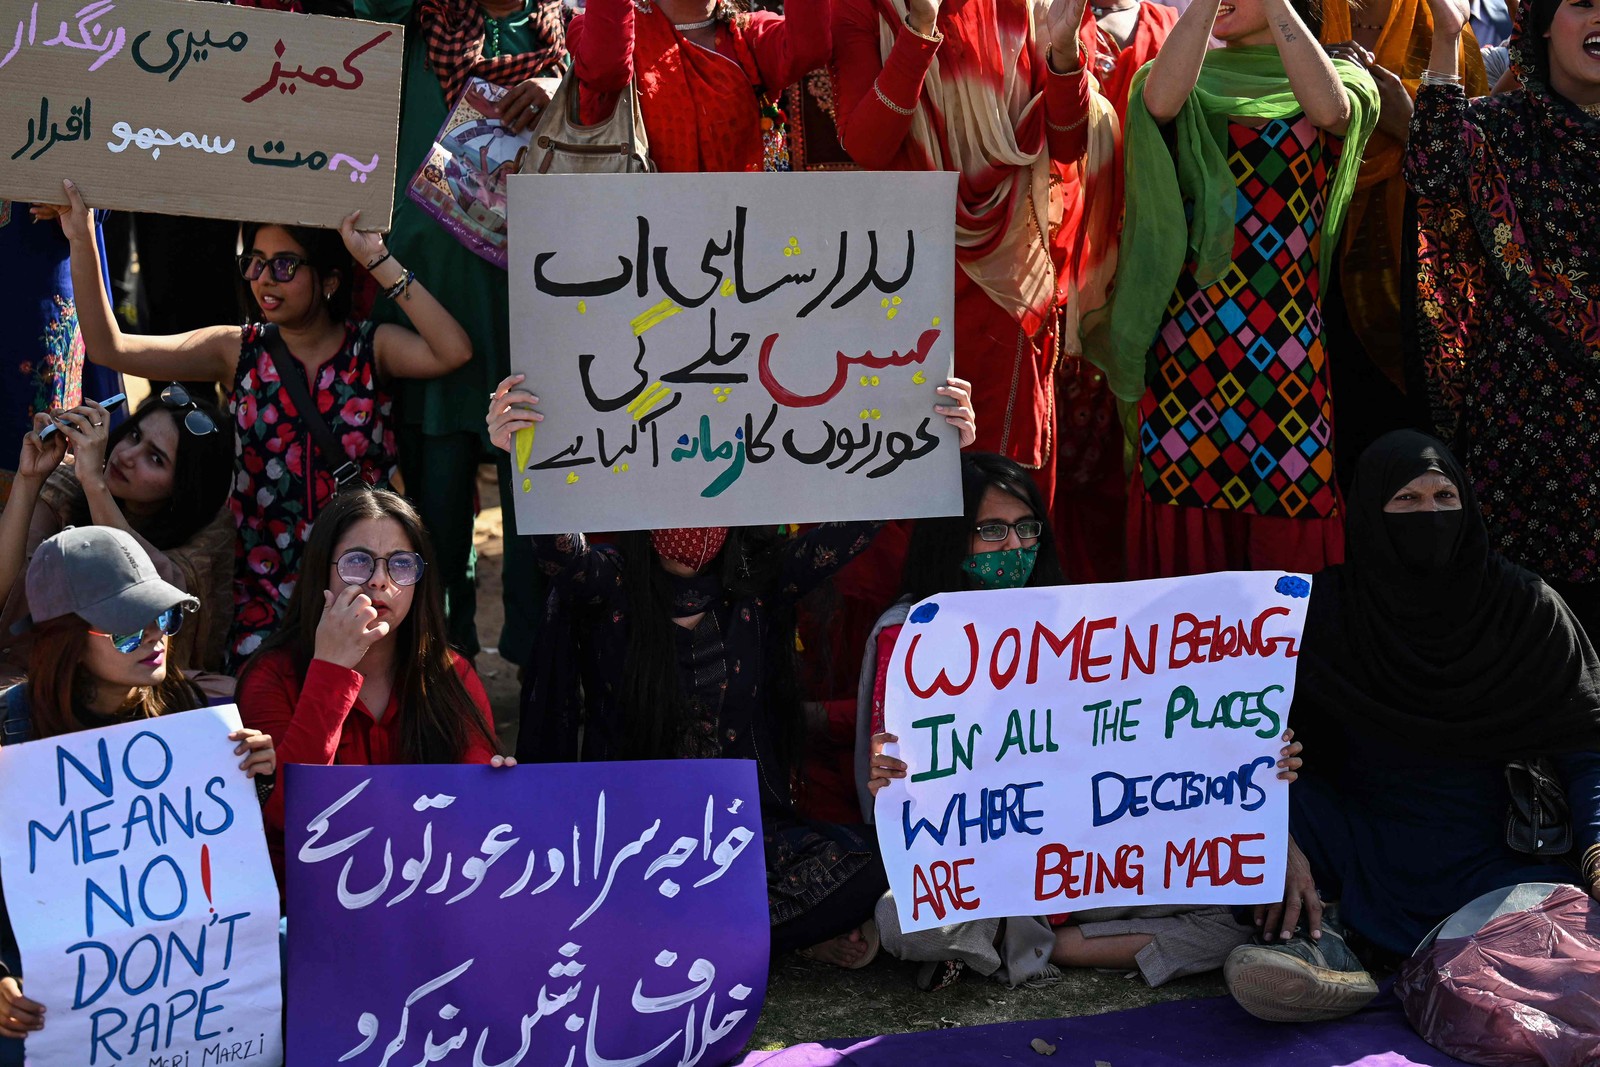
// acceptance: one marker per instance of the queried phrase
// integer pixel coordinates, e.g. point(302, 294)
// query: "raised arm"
point(788, 48)
point(34, 465)
point(1176, 68)
point(875, 98)
point(1315, 83)
point(436, 344)
point(207, 354)
point(1443, 134)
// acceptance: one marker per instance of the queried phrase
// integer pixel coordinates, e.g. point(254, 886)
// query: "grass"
point(815, 1002)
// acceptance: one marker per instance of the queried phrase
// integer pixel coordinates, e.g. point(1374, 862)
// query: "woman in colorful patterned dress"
point(1240, 162)
point(299, 288)
point(1508, 190)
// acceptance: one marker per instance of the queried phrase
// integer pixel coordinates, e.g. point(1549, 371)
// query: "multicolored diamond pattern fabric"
point(1238, 412)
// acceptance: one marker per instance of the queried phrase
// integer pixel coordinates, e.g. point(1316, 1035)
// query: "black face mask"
point(1425, 541)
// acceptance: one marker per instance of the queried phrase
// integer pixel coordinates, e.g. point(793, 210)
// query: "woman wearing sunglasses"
point(103, 620)
point(163, 476)
point(299, 284)
point(1004, 541)
point(359, 672)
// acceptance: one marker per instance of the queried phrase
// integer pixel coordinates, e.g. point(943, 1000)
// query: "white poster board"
point(136, 875)
point(732, 349)
point(1087, 746)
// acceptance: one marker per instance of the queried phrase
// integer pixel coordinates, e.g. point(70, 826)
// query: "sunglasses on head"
point(170, 621)
point(195, 421)
point(1027, 530)
point(284, 266)
point(357, 566)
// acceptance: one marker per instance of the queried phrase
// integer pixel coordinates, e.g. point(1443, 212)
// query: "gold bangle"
point(883, 98)
point(1591, 863)
point(1051, 67)
point(936, 37)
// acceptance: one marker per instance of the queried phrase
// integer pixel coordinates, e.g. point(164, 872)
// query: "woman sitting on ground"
point(162, 476)
point(300, 286)
point(102, 621)
point(687, 651)
point(1429, 661)
point(359, 672)
point(1003, 540)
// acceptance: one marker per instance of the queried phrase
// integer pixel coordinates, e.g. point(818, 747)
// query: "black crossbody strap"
point(293, 377)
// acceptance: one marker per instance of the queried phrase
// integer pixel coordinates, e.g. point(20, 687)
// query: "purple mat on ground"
point(1178, 1034)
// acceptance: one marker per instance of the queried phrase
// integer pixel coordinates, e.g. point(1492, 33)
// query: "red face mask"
point(692, 546)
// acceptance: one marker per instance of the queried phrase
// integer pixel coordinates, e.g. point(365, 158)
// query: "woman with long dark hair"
point(300, 283)
point(102, 620)
point(162, 476)
point(359, 671)
point(683, 647)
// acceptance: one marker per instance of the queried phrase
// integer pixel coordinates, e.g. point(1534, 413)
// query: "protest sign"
point(200, 109)
point(599, 913)
point(135, 871)
point(1078, 747)
point(732, 349)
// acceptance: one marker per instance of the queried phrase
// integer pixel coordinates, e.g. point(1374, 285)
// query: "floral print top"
point(280, 483)
point(1508, 312)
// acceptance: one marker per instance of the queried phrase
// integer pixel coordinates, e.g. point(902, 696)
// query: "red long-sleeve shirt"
point(320, 720)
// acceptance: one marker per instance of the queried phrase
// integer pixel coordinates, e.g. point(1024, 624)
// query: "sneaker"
point(1299, 980)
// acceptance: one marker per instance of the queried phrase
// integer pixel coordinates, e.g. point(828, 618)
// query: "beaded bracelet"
point(399, 288)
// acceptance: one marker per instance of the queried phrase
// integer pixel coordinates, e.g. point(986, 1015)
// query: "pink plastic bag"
point(1524, 989)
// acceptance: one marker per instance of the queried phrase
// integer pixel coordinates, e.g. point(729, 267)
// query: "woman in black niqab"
point(1428, 662)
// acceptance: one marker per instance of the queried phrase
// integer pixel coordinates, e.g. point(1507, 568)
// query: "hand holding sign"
point(510, 410)
point(18, 1014)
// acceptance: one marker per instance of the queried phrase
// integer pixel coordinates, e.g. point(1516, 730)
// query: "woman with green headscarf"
point(1240, 164)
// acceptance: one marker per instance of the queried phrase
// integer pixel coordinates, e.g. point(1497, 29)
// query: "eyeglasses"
point(1027, 530)
point(170, 621)
point(284, 267)
point(357, 566)
point(195, 421)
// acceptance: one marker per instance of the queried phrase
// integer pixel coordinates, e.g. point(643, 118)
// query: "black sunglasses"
point(195, 421)
point(284, 266)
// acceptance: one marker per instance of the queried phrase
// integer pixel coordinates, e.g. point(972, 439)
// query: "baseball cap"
point(102, 575)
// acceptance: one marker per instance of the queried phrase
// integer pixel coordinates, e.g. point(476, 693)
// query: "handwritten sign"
point(200, 109)
point(1091, 746)
point(598, 914)
point(136, 874)
point(733, 348)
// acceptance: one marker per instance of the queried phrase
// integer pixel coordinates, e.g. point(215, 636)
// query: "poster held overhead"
point(200, 109)
point(1091, 746)
point(732, 349)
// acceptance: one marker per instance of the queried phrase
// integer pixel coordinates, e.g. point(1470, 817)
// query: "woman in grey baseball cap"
point(102, 618)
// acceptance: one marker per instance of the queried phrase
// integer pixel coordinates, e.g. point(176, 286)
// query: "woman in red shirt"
point(706, 73)
point(359, 673)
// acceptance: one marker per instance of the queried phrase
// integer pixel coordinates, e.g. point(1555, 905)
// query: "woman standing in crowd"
point(162, 476)
point(299, 293)
point(520, 45)
point(688, 651)
point(102, 619)
point(359, 672)
point(707, 74)
point(1508, 296)
point(1429, 661)
point(1003, 540)
point(1216, 316)
point(996, 91)
point(1362, 318)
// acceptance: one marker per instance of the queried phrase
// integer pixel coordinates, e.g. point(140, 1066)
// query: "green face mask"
point(1007, 568)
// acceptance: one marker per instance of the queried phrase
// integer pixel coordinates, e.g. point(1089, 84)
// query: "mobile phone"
point(108, 403)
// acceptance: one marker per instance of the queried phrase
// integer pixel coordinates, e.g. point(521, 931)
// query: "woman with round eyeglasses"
point(299, 283)
point(163, 476)
point(359, 672)
point(102, 620)
point(1003, 540)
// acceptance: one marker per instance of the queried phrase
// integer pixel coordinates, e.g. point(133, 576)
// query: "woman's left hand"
point(503, 761)
point(87, 427)
point(524, 102)
point(256, 747)
point(1063, 20)
point(958, 412)
point(363, 247)
point(1289, 761)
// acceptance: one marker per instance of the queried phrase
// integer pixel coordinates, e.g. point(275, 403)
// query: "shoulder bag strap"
point(293, 377)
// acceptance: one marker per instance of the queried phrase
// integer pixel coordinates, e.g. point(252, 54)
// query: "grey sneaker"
point(1300, 980)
